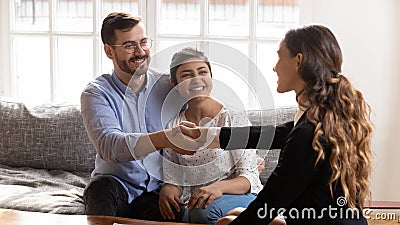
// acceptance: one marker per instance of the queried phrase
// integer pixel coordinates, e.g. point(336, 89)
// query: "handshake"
point(187, 138)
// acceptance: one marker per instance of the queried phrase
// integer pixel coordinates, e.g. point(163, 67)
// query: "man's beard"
point(142, 69)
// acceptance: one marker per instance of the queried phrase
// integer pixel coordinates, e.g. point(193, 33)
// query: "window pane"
point(161, 59)
point(75, 68)
point(179, 17)
point(229, 18)
point(275, 17)
point(164, 44)
point(32, 69)
point(31, 15)
point(243, 47)
point(168, 47)
point(110, 6)
point(266, 60)
point(239, 83)
point(74, 15)
point(229, 87)
point(106, 64)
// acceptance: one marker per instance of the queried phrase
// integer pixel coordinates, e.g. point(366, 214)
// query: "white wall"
point(5, 48)
point(369, 34)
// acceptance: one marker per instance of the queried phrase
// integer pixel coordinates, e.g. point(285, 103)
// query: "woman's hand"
point(207, 137)
point(230, 216)
point(236, 211)
point(260, 164)
point(179, 142)
point(169, 196)
point(225, 220)
point(207, 193)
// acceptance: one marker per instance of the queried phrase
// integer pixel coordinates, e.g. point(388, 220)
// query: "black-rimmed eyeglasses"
point(131, 46)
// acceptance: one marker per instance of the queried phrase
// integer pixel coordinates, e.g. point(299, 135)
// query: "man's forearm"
point(149, 143)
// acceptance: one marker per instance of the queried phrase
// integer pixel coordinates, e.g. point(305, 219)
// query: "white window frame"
point(150, 17)
point(9, 87)
point(252, 40)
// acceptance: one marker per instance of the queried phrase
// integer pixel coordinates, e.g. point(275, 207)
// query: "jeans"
point(105, 196)
point(217, 209)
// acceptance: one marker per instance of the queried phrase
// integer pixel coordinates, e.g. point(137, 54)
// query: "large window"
point(53, 47)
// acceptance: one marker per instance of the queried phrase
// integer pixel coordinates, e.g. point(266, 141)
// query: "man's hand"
point(207, 193)
point(186, 138)
point(169, 196)
point(190, 129)
point(181, 143)
point(207, 136)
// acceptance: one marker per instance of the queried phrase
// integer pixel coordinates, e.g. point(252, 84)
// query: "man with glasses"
point(122, 115)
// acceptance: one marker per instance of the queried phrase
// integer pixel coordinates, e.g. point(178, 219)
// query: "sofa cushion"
point(39, 190)
point(45, 136)
point(270, 117)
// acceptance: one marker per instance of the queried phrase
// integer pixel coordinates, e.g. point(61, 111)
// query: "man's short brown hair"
point(117, 21)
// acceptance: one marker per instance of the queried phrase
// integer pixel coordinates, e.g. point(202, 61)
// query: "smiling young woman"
point(212, 181)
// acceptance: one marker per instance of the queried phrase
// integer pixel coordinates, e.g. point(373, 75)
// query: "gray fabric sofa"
point(46, 156)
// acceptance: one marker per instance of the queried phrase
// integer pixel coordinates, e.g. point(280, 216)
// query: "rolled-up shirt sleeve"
point(104, 129)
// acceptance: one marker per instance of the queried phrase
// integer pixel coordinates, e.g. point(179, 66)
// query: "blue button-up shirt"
point(115, 117)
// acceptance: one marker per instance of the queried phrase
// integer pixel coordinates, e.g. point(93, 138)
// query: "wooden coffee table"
point(14, 217)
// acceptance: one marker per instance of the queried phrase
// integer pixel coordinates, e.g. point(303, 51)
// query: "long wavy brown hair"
point(337, 109)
